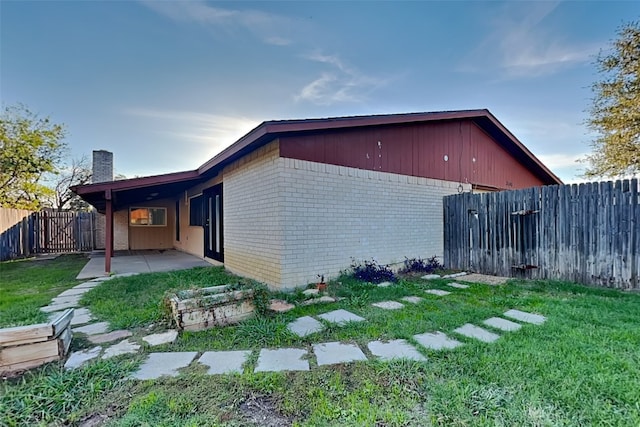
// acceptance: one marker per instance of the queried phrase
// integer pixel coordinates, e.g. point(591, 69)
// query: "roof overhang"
point(149, 188)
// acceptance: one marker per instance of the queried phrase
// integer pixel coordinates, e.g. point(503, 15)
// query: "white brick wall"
point(332, 214)
point(286, 220)
point(252, 216)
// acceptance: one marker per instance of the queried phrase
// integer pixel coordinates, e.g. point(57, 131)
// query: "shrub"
point(419, 265)
point(371, 271)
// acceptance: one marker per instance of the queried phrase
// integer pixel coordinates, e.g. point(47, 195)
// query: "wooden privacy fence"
point(586, 233)
point(24, 233)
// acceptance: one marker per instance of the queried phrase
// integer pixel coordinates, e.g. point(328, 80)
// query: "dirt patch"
point(483, 278)
point(261, 411)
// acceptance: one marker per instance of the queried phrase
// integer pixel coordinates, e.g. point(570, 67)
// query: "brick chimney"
point(102, 166)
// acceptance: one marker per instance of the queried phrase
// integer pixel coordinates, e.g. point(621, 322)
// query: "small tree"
point(30, 147)
point(77, 173)
point(615, 111)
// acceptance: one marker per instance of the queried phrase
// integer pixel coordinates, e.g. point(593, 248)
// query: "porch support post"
point(108, 232)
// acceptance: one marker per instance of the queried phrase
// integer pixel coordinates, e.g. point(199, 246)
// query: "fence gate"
point(24, 234)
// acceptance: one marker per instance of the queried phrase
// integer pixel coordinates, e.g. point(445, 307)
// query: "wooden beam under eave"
point(108, 232)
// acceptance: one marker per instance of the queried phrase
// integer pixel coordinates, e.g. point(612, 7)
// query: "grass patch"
point(129, 302)
point(53, 396)
point(581, 367)
point(27, 285)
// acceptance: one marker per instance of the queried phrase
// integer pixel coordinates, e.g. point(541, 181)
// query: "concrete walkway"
point(141, 262)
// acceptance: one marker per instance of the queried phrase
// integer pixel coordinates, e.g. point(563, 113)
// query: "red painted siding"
point(416, 149)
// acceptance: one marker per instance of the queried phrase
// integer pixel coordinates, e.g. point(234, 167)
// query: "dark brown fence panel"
point(587, 233)
point(26, 233)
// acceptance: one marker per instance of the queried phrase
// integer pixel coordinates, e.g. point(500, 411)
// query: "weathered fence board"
point(587, 233)
point(24, 233)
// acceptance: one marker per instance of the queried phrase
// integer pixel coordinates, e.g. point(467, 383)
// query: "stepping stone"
point(473, 331)
point(323, 299)
point(115, 276)
point(73, 291)
point(57, 307)
point(502, 324)
point(384, 284)
point(436, 341)
point(81, 316)
point(87, 285)
point(123, 347)
point(280, 306)
point(108, 337)
point(304, 326)
point(457, 285)
point(224, 362)
point(395, 349)
point(311, 292)
point(522, 316)
point(332, 353)
point(341, 317)
point(78, 358)
point(388, 305)
point(437, 292)
point(451, 276)
point(430, 276)
point(282, 359)
point(412, 300)
point(93, 328)
point(66, 299)
point(162, 338)
point(100, 279)
point(159, 364)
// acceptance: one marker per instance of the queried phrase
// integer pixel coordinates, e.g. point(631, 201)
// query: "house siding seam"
point(332, 214)
point(253, 216)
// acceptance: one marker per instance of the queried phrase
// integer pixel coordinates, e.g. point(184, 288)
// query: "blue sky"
point(165, 85)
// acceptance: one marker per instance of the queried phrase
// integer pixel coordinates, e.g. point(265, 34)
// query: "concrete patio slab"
point(161, 338)
point(163, 364)
point(93, 328)
point(502, 324)
point(523, 316)
point(224, 362)
point(79, 358)
point(436, 341)
point(438, 292)
point(304, 326)
point(341, 317)
point(476, 332)
point(457, 285)
point(282, 359)
point(332, 353)
point(109, 337)
point(412, 300)
point(388, 305)
point(141, 262)
point(123, 347)
point(395, 349)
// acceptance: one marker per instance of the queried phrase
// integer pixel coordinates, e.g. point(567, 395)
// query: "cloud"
point(266, 26)
point(211, 132)
point(561, 160)
point(338, 83)
point(522, 44)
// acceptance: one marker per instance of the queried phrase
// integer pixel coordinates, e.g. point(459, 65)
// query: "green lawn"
point(581, 367)
point(26, 285)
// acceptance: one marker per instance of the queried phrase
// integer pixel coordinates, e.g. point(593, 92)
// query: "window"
point(196, 210)
point(148, 216)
